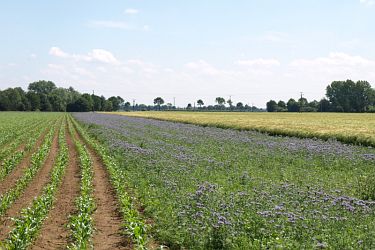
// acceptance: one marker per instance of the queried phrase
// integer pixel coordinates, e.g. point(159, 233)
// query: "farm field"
point(213, 188)
point(352, 128)
point(59, 189)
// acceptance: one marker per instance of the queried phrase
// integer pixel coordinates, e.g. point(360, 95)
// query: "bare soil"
point(107, 217)
point(54, 233)
point(33, 189)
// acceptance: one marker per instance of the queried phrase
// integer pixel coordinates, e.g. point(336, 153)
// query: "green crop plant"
point(81, 223)
point(133, 224)
point(28, 224)
point(37, 161)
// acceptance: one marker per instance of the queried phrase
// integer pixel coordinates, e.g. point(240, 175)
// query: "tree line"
point(341, 96)
point(45, 96)
point(199, 106)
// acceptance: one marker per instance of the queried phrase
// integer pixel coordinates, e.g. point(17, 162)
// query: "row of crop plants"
point(37, 160)
point(20, 147)
point(18, 137)
point(30, 221)
point(134, 225)
point(28, 224)
point(81, 223)
point(14, 125)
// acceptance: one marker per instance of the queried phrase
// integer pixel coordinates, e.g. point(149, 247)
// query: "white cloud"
point(367, 2)
point(334, 59)
point(260, 62)
point(131, 11)
point(96, 55)
point(275, 36)
point(202, 66)
point(111, 24)
point(56, 51)
point(104, 56)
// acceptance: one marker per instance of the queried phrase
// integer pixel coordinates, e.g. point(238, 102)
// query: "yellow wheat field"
point(352, 128)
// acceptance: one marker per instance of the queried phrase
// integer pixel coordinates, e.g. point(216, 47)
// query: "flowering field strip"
point(29, 223)
point(348, 128)
point(212, 188)
point(134, 225)
point(81, 224)
point(37, 161)
point(16, 157)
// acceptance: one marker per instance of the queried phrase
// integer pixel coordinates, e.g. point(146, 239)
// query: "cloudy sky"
point(252, 50)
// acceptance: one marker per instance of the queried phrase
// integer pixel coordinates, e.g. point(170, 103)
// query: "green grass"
point(349, 128)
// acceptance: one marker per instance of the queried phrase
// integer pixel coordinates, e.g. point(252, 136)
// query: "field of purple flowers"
point(211, 188)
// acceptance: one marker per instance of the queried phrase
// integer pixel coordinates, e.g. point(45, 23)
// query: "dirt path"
point(54, 234)
point(17, 172)
point(107, 217)
point(32, 190)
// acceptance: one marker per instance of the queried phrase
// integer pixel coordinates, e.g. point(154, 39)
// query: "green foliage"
point(37, 161)
point(42, 87)
point(81, 223)
point(349, 96)
point(29, 223)
point(133, 223)
point(45, 96)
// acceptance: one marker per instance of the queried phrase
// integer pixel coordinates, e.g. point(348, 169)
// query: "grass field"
point(352, 128)
point(212, 188)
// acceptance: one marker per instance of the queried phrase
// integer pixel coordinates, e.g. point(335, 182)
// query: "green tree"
point(42, 87)
point(239, 105)
point(34, 100)
point(97, 102)
point(324, 105)
point(200, 103)
point(292, 105)
point(348, 96)
point(158, 101)
point(220, 101)
point(116, 102)
point(271, 106)
point(89, 101)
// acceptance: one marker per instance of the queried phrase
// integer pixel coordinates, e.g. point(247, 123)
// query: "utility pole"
point(174, 102)
point(93, 93)
point(133, 104)
point(301, 102)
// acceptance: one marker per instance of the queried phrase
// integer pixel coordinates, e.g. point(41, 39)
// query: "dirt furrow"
point(107, 217)
point(17, 172)
point(32, 190)
point(54, 233)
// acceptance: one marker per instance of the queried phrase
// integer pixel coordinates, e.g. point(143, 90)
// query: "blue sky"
point(250, 50)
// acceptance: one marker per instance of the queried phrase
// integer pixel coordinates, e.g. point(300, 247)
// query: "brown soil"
point(54, 233)
point(107, 217)
point(17, 172)
point(32, 190)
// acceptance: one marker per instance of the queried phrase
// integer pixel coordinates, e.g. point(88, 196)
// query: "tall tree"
point(220, 101)
point(200, 103)
point(271, 106)
point(292, 105)
point(42, 87)
point(158, 101)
